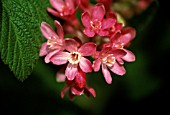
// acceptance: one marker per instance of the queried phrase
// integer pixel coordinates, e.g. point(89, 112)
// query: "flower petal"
point(57, 4)
point(71, 45)
point(128, 34)
point(60, 75)
point(70, 4)
point(80, 79)
point(129, 57)
point(103, 32)
point(88, 90)
point(85, 17)
point(60, 58)
point(85, 65)
point(53, 12)
point(88, 32)
point(119, 53)
point(107, 23)
point(96, 65)
point(64, 90)
point(47, 30)
point(43, 50)
point(49, 55)
point(87, 49)
point(98, 12)
point(71, 71)
point(118, 69)
point(60, 31)
point(106, 74)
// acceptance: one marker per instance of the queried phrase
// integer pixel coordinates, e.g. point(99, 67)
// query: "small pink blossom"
point(123, 40)
point(62, 8)
point(55, 41)
point(107, 58)
point(78, 86)
point(95, 23)
point(75, 57)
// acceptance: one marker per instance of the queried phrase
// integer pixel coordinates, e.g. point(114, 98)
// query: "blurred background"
point(144, 88)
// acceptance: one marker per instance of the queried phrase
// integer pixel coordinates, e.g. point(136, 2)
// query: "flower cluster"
point(98, 40)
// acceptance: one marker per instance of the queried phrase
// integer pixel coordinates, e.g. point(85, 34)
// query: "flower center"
point(109, 60)
point(74, 58)
point(119, 45)
point(96, 24)
point(53, 43)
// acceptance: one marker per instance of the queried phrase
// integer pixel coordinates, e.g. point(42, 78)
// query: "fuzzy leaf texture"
point(20, 36)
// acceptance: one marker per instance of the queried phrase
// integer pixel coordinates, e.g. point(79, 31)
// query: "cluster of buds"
point(97, 41)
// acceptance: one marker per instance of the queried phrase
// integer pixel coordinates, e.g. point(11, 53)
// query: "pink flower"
point(78, 86)
point(122, 40)
point(96, 24)
point(107, 58)
point(62, 8)
point(55, 42)
point(117, 26)
point(75, 57)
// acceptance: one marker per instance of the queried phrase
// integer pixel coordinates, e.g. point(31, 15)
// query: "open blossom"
point(95, 23)
point(121, 41)
point(75, 57)
point(55, 41)
point(107, 58)
point(62, 8)
point(78, 86)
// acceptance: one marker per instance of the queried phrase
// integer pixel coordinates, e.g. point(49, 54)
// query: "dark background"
point(144, 89)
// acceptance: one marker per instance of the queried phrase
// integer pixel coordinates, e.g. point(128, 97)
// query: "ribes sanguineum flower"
point(78, 86)
point(55, 41)
point(107, 58)
point(75, 57)
point(95, 23)
point(62, 8)
point(121, 41)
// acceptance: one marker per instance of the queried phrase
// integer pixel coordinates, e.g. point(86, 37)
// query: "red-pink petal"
point(106, 74)
point(119, 53)
point(47, 30)
point(103, 32)
point(71, 45)
point(60, 58)
point(98, 12)
point(64, 90)
point(43, 50)
point(128, 34)
point(80, 79)
point(108, 23)
point(85, 17)
point(87, 49)
point(85, 65)
point(53, 12)
point(71, 71)
point(57, 4)
point(48, 56)
point(70, 4)
point(89, 90)
point(60, 31)
point(88, 32)
point(60, 75)
point(96, 65)
point(118, 69)
point(129, 57)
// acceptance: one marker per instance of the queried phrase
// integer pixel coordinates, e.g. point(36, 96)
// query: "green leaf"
point(20, 35)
